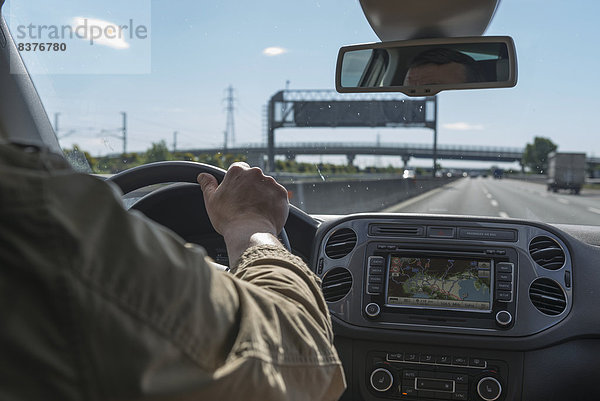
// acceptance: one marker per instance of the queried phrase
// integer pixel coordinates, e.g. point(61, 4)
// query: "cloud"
point(100, 32)
point(274, 51)
point(462, 126)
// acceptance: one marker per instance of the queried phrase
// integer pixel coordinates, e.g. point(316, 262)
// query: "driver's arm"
point(136, 313)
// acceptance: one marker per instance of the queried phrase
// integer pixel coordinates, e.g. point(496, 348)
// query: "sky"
point(175, 78)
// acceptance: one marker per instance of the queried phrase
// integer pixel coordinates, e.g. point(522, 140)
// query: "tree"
point(536, 154)
point(158, 152)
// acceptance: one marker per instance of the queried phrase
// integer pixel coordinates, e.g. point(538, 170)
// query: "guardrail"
point(352, 196)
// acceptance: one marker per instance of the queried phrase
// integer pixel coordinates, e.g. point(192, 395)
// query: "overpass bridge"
point(405, 151)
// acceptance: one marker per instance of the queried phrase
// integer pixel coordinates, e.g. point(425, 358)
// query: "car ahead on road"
point(409, 174)
point(466, 290)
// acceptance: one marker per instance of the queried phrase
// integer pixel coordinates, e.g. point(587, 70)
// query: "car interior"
point(531, 329)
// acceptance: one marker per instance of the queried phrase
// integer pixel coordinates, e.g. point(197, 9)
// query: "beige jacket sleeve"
point(138, 314)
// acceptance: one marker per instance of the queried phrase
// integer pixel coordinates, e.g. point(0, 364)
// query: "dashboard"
point(428, 307)
point(457, 308)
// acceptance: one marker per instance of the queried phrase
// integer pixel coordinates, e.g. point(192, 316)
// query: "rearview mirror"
point(427, 66)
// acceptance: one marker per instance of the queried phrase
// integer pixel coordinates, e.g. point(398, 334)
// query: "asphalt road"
point(507, 198)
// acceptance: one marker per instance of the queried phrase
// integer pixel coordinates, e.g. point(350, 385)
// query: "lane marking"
point(594, 210)
point(489, 196)
point(563, 201)
point(485, 191)
point(494, 202)
point(503, 214)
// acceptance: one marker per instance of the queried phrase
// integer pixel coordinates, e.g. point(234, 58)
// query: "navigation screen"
point(439, 283)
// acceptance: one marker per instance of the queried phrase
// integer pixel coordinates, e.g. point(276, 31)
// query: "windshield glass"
point(128, 83)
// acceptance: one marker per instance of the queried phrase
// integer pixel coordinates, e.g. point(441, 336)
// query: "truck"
point(566, 171)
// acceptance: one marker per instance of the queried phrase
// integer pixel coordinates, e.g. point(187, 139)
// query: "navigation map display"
point(448, 283)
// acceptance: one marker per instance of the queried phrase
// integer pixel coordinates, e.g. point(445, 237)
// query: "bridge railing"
point(347, 145)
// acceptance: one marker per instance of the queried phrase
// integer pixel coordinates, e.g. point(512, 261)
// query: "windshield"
point(128, 83)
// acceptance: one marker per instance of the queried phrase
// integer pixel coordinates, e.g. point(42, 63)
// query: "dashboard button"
point(504, 267)
point(381, 246)
point(372, 310)
point(375, 279)
point(376, 261)
point(381, 380)
point(395, 357)
point(460, 378)
point(409, 392)
point(477, 363)
point(459, 361)
point(434, 384)
point(411, 357)
point(376, 270)
point(504, 285)
point(503, 318)
point(500, 252)
point(440, 232)
point(443, 360)
point(427, 358)
point(504, 296)
point(504, 276)
point(409, 374)
point(489, 389)
point(460, 395)
point(374, 288)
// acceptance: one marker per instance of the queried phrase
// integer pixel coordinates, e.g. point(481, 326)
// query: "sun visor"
point(418, 19)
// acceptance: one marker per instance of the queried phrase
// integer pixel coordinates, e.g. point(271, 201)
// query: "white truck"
point(566, 171)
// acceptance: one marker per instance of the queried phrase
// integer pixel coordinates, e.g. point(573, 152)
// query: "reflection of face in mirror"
point(441, 66)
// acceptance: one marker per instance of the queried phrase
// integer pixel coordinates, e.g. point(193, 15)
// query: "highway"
point(506, 198)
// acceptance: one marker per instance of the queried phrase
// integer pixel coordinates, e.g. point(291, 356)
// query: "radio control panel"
point(410, 375)
point(461, 277)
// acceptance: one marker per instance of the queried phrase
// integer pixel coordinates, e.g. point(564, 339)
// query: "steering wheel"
point(187, 187)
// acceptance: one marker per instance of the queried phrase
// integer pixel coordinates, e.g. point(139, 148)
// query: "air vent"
point(391, 230)
point(547, 296)
point(336, 284)
point(341, 243)
point(547, 253)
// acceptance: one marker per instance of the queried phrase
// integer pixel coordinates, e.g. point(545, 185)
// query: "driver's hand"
point(246, 203)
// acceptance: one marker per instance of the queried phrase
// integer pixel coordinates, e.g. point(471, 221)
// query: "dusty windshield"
point(129, 83)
